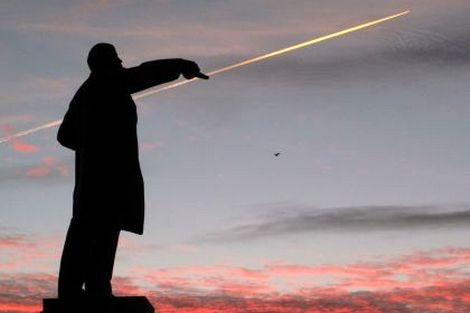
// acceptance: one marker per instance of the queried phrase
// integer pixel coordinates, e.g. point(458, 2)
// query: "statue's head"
point(103, 58)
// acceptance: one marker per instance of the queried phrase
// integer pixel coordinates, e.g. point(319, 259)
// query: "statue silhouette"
point(100, 126)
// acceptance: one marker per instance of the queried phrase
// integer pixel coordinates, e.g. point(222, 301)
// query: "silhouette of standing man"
point(100, 126)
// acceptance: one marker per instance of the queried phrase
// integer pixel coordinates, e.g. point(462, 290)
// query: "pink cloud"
point(431, 281)
point(11, 241)
point(418, 270)
point(47, 166)
point(25, 252)
point(39, 171)
point(25, 294)
point(21, 146)
point(18, 144)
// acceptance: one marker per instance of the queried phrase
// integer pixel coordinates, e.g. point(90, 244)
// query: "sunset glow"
point(322, 169)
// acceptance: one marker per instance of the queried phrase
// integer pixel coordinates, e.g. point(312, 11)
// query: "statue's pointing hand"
point(192, 70)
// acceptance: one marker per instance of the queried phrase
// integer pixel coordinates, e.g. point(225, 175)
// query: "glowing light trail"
point(228, 68)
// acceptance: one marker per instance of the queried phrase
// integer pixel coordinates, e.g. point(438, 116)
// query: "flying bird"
point(277, 154)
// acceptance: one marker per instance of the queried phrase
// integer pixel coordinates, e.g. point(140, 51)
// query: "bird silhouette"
point(277, 154)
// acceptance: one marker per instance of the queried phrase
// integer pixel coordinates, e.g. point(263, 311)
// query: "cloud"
point(394, 54)
point(419, 282)
point(297, 220)
point(414, 271)
point(25, 252)
point(425, 281)
point(21, 292)
point(9, 241)
point(197, 40)
point(20, 146)
point(48, 166)
point(17, 144)
point(439, 299)
point(200, 279)
point(223, 34)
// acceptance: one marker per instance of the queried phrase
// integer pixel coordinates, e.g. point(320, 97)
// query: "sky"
point(366, 209)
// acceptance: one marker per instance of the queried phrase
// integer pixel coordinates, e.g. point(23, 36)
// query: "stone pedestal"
point(114, 305)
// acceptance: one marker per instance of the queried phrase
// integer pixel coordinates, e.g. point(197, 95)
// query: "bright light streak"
point(30, 131)
point(228, 68)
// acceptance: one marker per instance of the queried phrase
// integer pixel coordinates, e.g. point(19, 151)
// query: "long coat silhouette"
point(100, 126)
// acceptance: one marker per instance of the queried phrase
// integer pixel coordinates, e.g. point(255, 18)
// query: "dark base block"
point(114, 305)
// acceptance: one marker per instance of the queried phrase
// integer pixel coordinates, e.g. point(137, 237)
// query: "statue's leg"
point(101, 262)
point(72, 263)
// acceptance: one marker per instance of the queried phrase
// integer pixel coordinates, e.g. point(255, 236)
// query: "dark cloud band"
point(297, 220)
